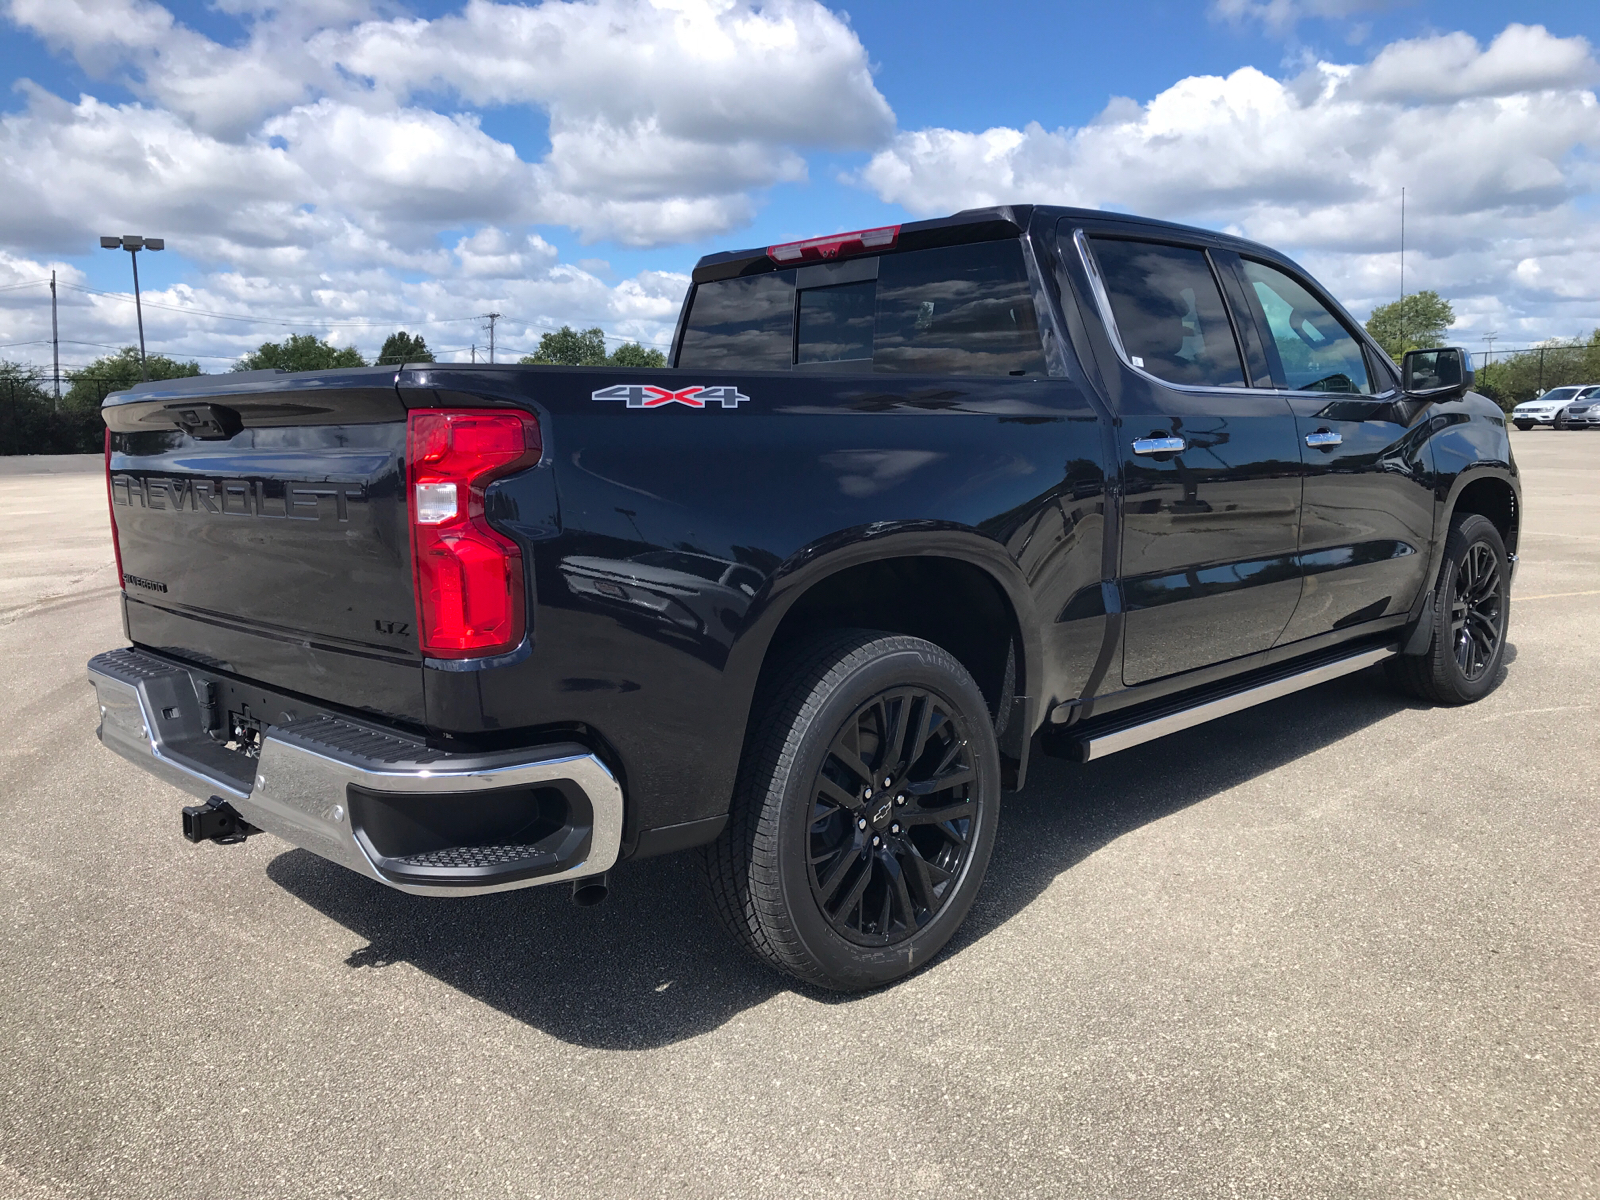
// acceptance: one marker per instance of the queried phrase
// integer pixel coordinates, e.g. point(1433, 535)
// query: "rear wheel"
point(1471, 610)
point(865, 811)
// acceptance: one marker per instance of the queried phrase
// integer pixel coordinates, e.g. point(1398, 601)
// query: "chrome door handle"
point(1159, 445)
point(1323, 439)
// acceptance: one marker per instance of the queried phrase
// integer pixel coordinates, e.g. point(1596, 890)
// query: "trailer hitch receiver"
point(216, 821)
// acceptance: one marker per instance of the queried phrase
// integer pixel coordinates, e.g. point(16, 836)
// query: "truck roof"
point(969, 225)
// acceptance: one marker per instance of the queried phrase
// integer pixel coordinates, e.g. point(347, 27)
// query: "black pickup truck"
point(909, 504)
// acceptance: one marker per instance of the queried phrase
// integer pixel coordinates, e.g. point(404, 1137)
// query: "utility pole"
point(55, 339)
point(1488, 357)
point(492, 317)
point(474, 351)
point(133, 243)
point(1402, 245)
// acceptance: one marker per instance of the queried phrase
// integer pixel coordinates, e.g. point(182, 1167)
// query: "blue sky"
point(326, 163)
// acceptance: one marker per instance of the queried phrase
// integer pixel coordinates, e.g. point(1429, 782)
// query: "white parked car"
point(1544, 409)
point(1581, 412)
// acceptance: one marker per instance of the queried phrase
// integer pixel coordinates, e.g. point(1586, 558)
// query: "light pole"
point(133, 243)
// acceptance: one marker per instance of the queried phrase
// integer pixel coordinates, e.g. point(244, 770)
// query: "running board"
point(1108, 739)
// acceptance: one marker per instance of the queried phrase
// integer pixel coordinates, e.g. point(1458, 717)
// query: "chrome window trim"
point(1102, 302)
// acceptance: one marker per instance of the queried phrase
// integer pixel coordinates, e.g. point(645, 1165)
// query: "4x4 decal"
point(647, 395)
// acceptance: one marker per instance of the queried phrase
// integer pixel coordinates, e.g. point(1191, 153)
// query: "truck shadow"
point(651, 966)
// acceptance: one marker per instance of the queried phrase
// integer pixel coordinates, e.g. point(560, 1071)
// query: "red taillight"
point(111, 506)
point(468, 576)
point(838, 245)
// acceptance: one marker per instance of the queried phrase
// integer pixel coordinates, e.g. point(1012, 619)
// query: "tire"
point(1523, 425)
point(839, 883)
point(1471, 612)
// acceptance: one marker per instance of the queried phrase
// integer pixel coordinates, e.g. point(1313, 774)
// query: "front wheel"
point(864, 814)
point(1471, 610)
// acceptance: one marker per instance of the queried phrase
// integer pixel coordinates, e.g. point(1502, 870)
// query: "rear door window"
point(741, 324)
point(1316, 352)
point(957, 310)
point(1169, 312)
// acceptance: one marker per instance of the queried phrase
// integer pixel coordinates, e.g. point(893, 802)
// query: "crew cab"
point(908, 506)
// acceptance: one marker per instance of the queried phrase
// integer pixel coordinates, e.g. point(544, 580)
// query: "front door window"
point(1317, 353)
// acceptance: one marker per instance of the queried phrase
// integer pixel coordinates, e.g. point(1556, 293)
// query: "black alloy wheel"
point(892, 818)
point(1477, 624)
point(865, 811)
point(1471, 611)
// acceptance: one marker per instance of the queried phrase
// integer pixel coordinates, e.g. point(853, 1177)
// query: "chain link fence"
point(32, 421)
point(1509, 378)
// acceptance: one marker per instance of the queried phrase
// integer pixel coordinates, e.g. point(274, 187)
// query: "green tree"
point(300, 352)
point(403, 347)
point(1417, 322)
point(569, 347)
point(31, 422)
point(118, 372)
point(634, 355)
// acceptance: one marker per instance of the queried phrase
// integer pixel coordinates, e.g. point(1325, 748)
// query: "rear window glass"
point(951, 310)
point(836, 323)
point(741, 324)
point(957, 310)
point(1169, 312)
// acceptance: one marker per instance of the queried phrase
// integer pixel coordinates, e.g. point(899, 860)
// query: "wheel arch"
point(1489, 493)
point(953, 587)
point(1492, 492)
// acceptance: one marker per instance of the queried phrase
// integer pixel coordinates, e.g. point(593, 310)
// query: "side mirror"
point(1436, 374)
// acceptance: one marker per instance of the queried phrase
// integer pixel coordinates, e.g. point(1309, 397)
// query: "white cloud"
point(720, 71)
point(664, 117)
point(1279, 16)
point(1523, 59)
point(311, 171)
point(1492, 153)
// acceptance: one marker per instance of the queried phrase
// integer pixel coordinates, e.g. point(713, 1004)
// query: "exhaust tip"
point(586, 893)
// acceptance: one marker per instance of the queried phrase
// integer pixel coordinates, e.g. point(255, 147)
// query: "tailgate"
point(265, 533)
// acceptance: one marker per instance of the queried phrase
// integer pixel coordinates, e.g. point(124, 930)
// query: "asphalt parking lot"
point(1340, 945)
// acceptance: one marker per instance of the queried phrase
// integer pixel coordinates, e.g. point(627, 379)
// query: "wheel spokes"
point(879, 875)
point(1476, 610)
point(852, 895)
point(830, 791)
point(939, 814)
point(831, 885)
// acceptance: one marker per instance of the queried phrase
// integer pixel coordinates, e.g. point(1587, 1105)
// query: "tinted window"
point(741, 324)
point(1318, 354)
point(836, 323)
point(957, 310)
point(1169, 312)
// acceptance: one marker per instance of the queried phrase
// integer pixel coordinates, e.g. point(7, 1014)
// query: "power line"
point(547, 322)
point(221, 316)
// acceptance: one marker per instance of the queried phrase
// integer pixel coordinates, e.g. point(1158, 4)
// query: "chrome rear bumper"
point(317, 776)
